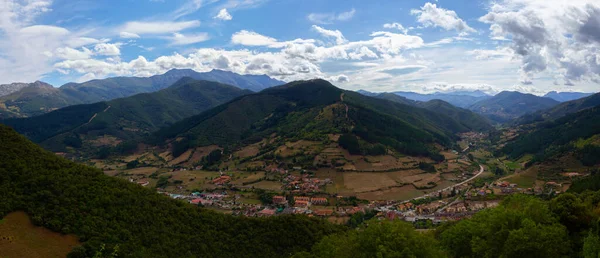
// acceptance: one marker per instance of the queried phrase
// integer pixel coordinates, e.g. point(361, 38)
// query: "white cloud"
point(328, 18)
point(223, 15)
point(550, 36)
point(181, 39)
point(339, 37)
point(107, 49)
point(72, 54)
point(397, 26)
point(157, 27)
point(250, 38)
point(432, 16)
point(342, 78)
point(128, 35)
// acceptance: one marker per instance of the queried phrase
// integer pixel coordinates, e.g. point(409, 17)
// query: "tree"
point(378, 239)
point(350, 143)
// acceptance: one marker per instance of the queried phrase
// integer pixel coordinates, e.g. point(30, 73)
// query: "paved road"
point(481, 169)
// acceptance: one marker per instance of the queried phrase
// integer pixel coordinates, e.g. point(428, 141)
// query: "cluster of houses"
point(300, 201)
point(304, 183)
point(224, 179)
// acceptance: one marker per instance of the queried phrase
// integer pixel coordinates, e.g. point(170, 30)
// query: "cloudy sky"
point(381, 45)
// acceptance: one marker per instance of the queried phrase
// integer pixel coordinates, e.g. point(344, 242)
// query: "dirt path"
point(342, 100)
point(94, 116)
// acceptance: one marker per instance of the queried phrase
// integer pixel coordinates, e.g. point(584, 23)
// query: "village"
point(281, 190)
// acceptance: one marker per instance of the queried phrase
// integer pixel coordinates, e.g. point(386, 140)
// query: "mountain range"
point(461, 99)
point(38, 98)
point(109, 123)
point(508, 105)
point(566, 96)
point(313, 110)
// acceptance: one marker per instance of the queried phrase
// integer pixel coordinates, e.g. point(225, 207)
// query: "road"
point(481, 169)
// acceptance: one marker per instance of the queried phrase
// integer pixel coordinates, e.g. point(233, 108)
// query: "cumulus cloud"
point(223, 15)
point(329, 18)
point(432, 16)
point(285, 60)
point(342, 78)
point(558, 37)
point(339, 37)
point(28, 49)
point(107, 49)
point(72, 54)
point(251, 38)
point(397, 26)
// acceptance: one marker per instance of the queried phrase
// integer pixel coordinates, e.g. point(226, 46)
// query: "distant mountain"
point(396, 98)
point(367, 93)
point(115, 121)
point(313, 110)
point(566, 96)
point(468, 118)
point(561, 110)
point(119, 87)
point(508, 105)
point(6, 89)
point(33, 99)
point(459, 99)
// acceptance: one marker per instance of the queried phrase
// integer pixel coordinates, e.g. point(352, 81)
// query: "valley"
point(310, 149)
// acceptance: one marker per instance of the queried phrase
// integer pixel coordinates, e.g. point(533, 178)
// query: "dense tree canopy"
point(101, 210)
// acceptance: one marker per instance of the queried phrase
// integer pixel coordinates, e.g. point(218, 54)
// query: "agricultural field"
point(20, 238)
point(525, 179)
point(394, 193)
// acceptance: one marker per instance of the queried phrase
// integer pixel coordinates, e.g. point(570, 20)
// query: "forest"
point(127, 220)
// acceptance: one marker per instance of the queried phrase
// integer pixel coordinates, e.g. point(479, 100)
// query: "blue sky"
point(527, 45)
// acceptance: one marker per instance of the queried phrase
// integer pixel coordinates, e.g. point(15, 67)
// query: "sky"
point(532, 46)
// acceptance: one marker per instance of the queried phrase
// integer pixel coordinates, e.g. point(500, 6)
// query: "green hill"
point(123, 119)
point(311, 110)
point(575, 133)
point(561, 109)
point(131, 221)
point(395, 98)
point(509, 105)
point(32, 101)
point(468, 118)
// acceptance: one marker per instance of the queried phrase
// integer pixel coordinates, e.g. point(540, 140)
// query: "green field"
point(20, 238)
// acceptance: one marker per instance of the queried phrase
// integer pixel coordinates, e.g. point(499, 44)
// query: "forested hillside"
point(575, 133)
point(32, 101)
point(311, 110)
point(561, 110)
point(508, 105)
point(132, 221)
point(115, 218)
point(124, 119)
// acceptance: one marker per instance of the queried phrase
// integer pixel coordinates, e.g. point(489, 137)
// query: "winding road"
point(481, 169)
